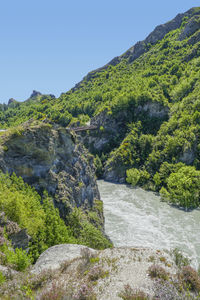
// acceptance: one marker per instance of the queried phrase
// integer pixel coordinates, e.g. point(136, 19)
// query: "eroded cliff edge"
point(49, 157)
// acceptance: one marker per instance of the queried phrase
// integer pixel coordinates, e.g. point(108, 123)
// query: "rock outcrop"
point(48, 158)
point(110, 131)
point(190, 28)
point(54, 257)
point(18, 236)
point(106, 273)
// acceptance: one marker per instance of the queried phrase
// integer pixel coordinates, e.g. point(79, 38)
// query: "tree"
point(183, 188)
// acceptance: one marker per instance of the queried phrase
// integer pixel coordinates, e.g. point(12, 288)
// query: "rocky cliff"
point(50, 158)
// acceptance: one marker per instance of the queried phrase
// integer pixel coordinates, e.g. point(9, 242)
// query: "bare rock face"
point(191, 27)
point(153, 109)
point(18, 236)
point(110, 129)
point(48, 158)
point(111, 269)
point(35, 94)
point(55, 256)
point(187, 157)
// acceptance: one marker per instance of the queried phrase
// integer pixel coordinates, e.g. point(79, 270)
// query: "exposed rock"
point(190, 28)
point(110, 131)
point(55, 256)
point(153, 109)
point(18, 236)
point(187, 157)
point(20, 239)
point(7, 272)
point(120, 266)
point(195, 38)
point(35, 94)
point(48, 158)
point(113, 175)
point(11, 100)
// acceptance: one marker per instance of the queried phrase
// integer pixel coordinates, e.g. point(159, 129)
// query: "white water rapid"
point(134, 217)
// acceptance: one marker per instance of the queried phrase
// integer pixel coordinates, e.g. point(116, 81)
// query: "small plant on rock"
point(156, 271)
point(179, 259)
point(129, 293)
point(97, 272)
point(190, 278)
point(85, 292)
point(55, 292)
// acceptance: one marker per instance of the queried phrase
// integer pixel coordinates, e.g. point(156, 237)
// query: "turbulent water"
point(134, 217)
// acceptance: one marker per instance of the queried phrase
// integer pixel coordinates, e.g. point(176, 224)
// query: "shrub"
point(179, 259)
point(2, 278)
point(55, 292)
point(97, 272)
point(135, 176)
point(166, 290)
point(190, 278)
point(18, 259)
point(85, 292)
point(156, 271)
point(130, 294)
point(183, 187)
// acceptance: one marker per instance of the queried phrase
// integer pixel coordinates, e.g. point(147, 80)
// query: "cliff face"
point(48, 158)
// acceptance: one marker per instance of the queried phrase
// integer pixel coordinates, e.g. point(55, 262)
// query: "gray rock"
point(55, 256)
point(195, 38)
point(190, 28)
point(20, 239)
point(35, 94)
point(153, 109)
point(11, 100)
point(187, 157)
point(7, 272)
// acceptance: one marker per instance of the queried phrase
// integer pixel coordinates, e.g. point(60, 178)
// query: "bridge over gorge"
point(83, 128)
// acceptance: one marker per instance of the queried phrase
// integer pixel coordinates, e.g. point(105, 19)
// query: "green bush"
point(156, 271)
point(137, 177)
point(2, 278)
point(17, 259)
point(183, 188)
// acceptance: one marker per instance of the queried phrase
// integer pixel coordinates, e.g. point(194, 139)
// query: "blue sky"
point(50, 45)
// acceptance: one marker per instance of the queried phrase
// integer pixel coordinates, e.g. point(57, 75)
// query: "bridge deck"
point(83, 128)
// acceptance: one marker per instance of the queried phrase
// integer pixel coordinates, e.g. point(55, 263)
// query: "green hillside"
point(152, 95)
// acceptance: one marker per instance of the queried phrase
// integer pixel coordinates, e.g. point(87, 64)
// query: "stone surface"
point(153, 110)
point(55, 256)
point(20, 239)
point(35, 94)
point(190, 28)
point(7, 272)
point(122, 266)
point(18, 236)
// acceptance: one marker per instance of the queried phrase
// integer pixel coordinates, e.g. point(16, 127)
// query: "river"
point(134, 217)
